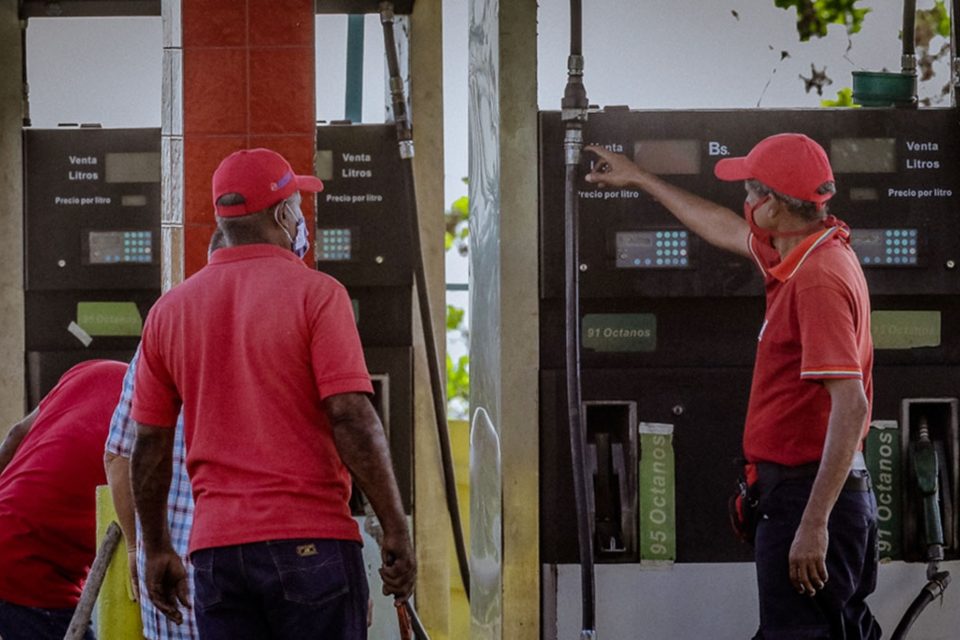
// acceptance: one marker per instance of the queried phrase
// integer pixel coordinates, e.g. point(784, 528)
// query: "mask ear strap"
point(276, 218)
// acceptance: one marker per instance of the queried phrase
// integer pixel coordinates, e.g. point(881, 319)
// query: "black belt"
point(770, 475)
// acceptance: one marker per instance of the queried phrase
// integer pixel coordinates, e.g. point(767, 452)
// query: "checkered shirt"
point(123, 432)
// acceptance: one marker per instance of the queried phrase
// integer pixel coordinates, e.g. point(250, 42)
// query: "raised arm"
point(717, 225)
point(363, 447)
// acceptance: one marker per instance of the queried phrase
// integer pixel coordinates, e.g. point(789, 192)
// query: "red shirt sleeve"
point(156, 401)
point(336, 352)
point(827, 334)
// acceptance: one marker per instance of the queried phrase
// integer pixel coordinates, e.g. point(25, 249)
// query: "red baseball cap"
point(263, 177)
point(789, 163)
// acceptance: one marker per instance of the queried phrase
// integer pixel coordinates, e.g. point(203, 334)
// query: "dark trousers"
point(34, 623)
point(281, 590)
point(839, 610)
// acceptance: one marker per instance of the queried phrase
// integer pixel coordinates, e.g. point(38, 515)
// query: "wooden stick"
point(91, 589)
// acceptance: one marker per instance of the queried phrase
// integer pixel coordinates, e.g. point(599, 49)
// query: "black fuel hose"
point(405, 143)
point(574, 115)
point(955, 43)
point(932, 590)
point(909, 26)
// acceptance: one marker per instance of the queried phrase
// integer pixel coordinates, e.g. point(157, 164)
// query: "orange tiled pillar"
point(248, 81)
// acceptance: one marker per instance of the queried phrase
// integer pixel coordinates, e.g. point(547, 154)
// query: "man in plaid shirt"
point(119, 447)
point(123, 432)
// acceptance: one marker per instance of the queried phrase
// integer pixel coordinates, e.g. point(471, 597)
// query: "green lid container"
point(884, 89)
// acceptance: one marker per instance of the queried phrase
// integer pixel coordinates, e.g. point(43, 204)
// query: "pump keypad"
point(660, 249)
point(886, 247)
point(336, 245)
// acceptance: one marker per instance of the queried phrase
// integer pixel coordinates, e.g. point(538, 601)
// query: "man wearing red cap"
point(264, 358)
point(816, 539)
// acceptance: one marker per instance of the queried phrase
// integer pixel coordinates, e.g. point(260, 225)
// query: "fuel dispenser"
point(92, 246)
point(362, 241)
point(668, 328)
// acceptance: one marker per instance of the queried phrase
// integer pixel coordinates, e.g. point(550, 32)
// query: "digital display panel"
point(334, 245)
point(132, 167)
point(119, 247)
point(863, 155)
point(662, 249)
point(668, 157)
point(885, 247)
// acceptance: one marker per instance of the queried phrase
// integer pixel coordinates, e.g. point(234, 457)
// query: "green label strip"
point(658, 521)
point(882, 451)
point(905, 329)
point(619, 332)
point(109, 318)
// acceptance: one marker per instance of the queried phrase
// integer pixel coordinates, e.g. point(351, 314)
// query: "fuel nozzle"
point(926, 472)
point(573, 110)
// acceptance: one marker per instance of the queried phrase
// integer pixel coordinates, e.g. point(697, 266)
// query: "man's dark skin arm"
point(151, 468)
point(808, 553)
point(363, 447)
point(16, 435)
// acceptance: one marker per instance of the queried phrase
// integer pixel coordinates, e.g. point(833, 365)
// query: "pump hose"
point(574, 115)
point(933, 589)
point(405, 142)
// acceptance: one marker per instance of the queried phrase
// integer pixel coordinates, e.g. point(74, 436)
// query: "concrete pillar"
point(431, 520)
point(12, 371)
point(245, 76)
point(504, 500)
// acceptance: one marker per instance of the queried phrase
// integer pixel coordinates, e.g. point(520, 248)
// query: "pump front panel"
point(362, 239)
point(669, 324)
point(92, 246)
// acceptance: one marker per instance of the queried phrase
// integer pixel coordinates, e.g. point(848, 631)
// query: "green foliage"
point(455, 317)
point(932, 22)
point(457, 228)
point(844, 99)
point(814, 16)
point(457, 234)
point(458, 386)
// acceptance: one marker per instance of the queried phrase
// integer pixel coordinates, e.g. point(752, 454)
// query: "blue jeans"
point(839, 610)
point(282, 589)
point(18, 622)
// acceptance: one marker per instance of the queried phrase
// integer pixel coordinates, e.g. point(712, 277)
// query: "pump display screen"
point(132, 167)
point(335, 245)
point(885, 247)
point(668, 157)
point(119, 247)
point(863, 155)
point(652, 249)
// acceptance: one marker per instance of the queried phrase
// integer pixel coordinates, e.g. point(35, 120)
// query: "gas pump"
point(667, 339)
point(362, 241)
point(368, 237)
point(92, 239)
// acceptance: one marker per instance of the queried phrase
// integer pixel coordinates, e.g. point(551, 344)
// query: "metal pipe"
point(574, 115)
point(406, 149)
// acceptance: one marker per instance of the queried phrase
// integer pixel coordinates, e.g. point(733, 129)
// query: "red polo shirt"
point(48, 507)
point(817, 326)
point(250, 346)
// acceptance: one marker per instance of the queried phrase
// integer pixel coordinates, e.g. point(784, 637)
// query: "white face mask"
point(301, 243)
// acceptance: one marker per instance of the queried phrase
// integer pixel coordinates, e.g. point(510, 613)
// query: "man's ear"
point(777, 208)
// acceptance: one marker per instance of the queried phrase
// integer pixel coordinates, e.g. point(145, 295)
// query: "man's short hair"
point(802, 208)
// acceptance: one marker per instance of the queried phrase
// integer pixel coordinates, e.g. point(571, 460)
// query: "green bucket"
point(884, 89)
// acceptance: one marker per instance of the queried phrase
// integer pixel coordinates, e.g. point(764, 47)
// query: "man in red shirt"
point(264, 358)
point(50, 467)
point(816, 540)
